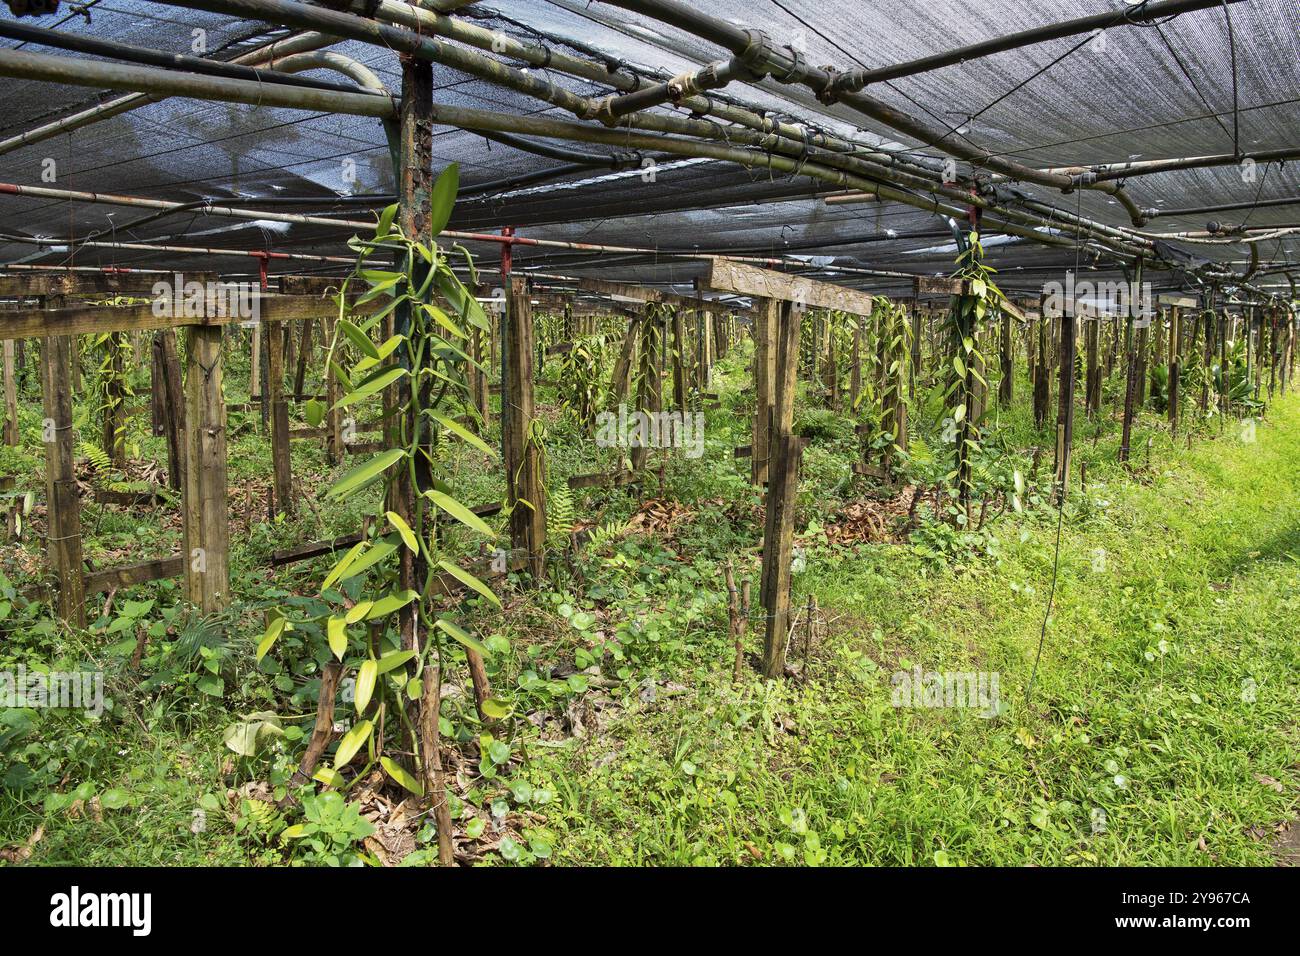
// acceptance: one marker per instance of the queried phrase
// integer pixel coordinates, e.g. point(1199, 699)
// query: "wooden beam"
point(637, 293)
point(138, 572)
point(94, 319)
point(82, 284)
point(726, 275)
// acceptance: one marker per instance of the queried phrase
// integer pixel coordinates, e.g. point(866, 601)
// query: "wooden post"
point(1008, 357)
point(170, 399)
point(333, 416)
point(1092, 378)
point(623, 367)
point(1143, 345)
point(855, 365)
point(783, 483)
point(706, 350)
point(1175, 365)
point(114, 412)
point(1042, 376)
point(10, 429)
point(273, 392)
point(1065, 403)
point(650, 390)
point(304, 353)
point(831, 372)
point(525, 490)
point(1130, 372)
point(205, 511)
point(255, 365)
point(916, 351)
point(767, 314)
point(680, 395)
point(63, 505)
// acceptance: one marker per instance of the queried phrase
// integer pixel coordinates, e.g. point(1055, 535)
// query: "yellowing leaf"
point(469, 580)
point(463, 636)
point(272, 634)
point(366, 685)
point(404, 529)
point(351, 743)
point(402, 776)
point(458, 511)
point(337, 636)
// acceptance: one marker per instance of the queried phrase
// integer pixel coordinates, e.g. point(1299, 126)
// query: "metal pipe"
point(131, 101)
point(83, 43)
point(1222, 207)
point(115, 76)
point(857, 79)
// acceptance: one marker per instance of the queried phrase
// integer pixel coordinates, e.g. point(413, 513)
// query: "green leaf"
point(390, 603)
point(393, 659)
point(314, 409)
point(463, 433)
point(463, 636)
point(373, 556)
point(496, 709)
point(444, 320)
point(271, 635)
point(337, 636)
point(364, 473)
point(371, 387)
point(459, 512)
point(358, 338)
point(337, 571)
point(351, 743)
point(385, 223)
point(443, 197)
point(366, 685)
point(330, 777)
point(211, 685)
point(402, 776)
point(959, 365)
point(469, 580)
point(404, 529)
point(358, 611)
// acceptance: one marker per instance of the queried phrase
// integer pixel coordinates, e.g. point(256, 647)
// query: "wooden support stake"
point(525, 489)
point(680, 394)
point(1175, 366)
point(1065, 404)
point(205, 511)
point(304, 353)
point(10, 431)
point(273, 391)
point(783, 483)
point(63, 504)
point(1007, 362)
point(767, 314)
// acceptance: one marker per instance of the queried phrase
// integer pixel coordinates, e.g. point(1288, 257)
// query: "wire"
point(1060, 517)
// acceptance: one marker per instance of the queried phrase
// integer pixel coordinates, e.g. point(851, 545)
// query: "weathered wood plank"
point(94, 319)
point(726, 275)
point(138, 572)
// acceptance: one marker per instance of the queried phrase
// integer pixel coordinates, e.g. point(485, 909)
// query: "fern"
point(601, 537)
point(561, 513)
point(97, 457)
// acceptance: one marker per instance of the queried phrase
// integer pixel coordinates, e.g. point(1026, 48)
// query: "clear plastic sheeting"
point(1135, 93)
